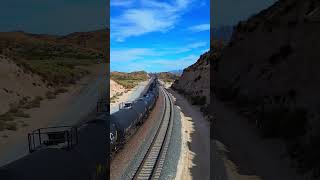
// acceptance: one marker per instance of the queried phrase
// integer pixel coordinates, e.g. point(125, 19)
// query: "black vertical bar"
point(71, 137)
point(77, 135)
point(40, 142)
point(29, 143)
point(68, 140)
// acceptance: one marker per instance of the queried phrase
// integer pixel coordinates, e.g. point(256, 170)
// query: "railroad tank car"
point(124, 120)
point(140, 106)
point(132, 114)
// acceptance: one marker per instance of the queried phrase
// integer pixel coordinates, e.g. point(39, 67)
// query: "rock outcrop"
point(195, 81)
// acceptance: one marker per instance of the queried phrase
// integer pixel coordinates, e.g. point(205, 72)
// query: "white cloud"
point(200, 27)
point(130, 54)
point(187, 48)
point(180, 63)
point(152, 16)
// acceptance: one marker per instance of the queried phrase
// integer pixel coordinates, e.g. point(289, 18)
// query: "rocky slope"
point(168, 76)
point(270, 69)
point(195, 81)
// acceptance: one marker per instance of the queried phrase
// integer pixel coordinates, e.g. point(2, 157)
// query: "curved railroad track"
point(152, 163)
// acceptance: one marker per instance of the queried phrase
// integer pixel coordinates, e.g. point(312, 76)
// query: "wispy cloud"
point(130, 54)
point(160, 65)
point(186, 48)
point(150, 16)
point(200, 28)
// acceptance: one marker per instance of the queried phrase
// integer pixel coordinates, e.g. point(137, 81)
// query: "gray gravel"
point(172, 158)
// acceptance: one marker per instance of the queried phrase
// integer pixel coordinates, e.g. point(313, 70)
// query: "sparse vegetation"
point(129, 80)
point(12, 126)
point(167, 77)
point(57, 71)
point(50, 95)
point(57, 60)
point(198, 100)
point(115, 97)
point(60, 91)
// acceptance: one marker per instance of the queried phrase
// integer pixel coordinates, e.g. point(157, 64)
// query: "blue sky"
point(157, 36)
point(53, 16)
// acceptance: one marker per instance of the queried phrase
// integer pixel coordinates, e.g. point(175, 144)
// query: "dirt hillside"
point(270, 70)
point(17, 85)
point(115, 88)
point(195, 81)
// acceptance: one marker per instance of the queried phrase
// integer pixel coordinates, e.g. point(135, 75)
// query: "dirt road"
point(194, 162)
point(247, 155)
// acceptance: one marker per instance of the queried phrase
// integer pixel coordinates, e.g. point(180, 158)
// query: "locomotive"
point(130, 116)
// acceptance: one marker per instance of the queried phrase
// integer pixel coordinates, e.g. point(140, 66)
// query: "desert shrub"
point(2, 125)
point(35, 103)
point(281, 121)
point(12, 126)
point(198, 100)
point(282, 54)
point(60, 90)
point(6, 117)
point(21, 114)
point(50, 95)
point(197, 79)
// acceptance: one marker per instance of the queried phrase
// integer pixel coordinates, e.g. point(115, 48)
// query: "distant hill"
point(129, 80)
point(55, 58)
point(79, 45)
point(168, 76)
point(177, 72)
point(97, 40)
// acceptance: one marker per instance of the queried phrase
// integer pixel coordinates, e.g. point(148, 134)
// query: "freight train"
point(130, 116)
point(80, 152)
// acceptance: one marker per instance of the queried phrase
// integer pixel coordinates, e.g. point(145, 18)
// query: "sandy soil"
point(13, 144)
point(194, 162)
point(122, 158)
point(16, 84)
point(247, 156)
point(115, 88)
point(126, 96)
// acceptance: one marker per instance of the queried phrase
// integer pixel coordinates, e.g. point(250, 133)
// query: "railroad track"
point(152, 163)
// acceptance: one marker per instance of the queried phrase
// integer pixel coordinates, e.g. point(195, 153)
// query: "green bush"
point(198, 100)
